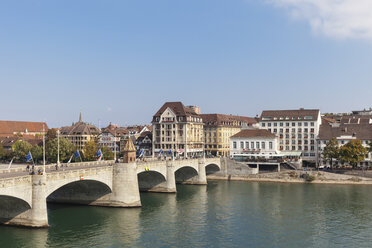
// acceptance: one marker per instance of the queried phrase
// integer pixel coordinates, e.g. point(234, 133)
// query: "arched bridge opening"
point(151, 181)
point(85, 192)
point(11, 208)
point(186, 175)
point(211, 169)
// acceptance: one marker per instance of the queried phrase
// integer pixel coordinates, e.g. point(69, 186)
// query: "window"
point(234, 144)
point(247, 144)
point(293, 124)
point(263, 145)
point(270, 145)
point(275, 124)
point(287, 124)
point(258, 145)
point(269, 124)
point(306, 124)
point(281, 124)
point(242, 145)
point(275, 130)
point(312, 124)
point(252, 145)
point(263, 124)
point(300, 124)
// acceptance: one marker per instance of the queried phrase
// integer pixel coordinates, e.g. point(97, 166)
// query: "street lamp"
point(43, 150)
point(115, 147)
point(57, 147)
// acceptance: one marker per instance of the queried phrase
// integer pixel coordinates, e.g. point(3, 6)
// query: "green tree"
point(21, 148)
point(66, 149)
point(2, 152)
point(51, 134)
point(37, 153)
point(107, 153)
point(90, 151)
point(331, 151)
point(353, 152)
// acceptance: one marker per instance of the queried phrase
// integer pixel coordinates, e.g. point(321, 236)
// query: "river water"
point(222, 214)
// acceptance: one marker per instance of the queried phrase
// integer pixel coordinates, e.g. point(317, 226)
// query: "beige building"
point(178, 129)
point(80, 133)
point(218, 128)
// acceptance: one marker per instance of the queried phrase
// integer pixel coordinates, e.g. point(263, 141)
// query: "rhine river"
point(222, 214)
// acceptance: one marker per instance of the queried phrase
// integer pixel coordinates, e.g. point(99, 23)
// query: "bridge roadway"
point(23, 197)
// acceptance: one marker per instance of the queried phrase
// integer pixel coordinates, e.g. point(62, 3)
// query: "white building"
point(345, 129)
point(253, 141)
point(297, 130)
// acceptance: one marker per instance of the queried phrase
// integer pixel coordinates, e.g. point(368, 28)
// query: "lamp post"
point(115, 147)
point(57, 147)
point(43, 150)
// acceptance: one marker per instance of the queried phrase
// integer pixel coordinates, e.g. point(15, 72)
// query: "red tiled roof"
point(226, 120)
point(254, 133)
point(13, 127)
point(296, 115)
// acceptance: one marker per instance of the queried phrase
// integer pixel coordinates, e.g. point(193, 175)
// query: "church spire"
point(80, 118)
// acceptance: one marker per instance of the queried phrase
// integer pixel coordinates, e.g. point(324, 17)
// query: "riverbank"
point(318, 177)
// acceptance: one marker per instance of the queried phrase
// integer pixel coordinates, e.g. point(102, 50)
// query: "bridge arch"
point(11, 207)
point(79, 192)
point(150, 180)
point(186, 174)
point(212, 168)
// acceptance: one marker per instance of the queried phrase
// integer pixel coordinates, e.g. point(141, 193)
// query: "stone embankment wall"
point(230, 168)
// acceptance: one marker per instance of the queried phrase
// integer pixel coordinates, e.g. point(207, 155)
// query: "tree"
point(2, 152)
point(353, 152)
point(51, 134)
point(37, 153)
point(66, 149)
point(90, 151)
point(21, 148)
point(331, 151)
point(107, 153)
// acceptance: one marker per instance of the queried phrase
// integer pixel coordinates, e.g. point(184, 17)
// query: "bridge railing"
point(62, 165)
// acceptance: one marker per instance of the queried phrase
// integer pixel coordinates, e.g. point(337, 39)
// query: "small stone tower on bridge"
point(129, 152)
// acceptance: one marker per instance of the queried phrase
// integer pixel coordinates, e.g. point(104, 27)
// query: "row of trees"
point(66, 150)
point(352, 153)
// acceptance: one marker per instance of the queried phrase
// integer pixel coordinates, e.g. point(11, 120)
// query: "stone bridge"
point(23, 197)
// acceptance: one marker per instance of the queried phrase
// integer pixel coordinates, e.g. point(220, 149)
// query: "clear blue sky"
point(119, 61)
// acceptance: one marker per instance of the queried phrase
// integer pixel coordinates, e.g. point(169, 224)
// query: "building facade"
point(254, 141)
point(297, 130)
point(218, 128)
point(144, 142)
point(80, 133)
point(344, 129)
point(178, 129)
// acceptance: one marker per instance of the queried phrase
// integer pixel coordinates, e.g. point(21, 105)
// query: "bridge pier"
point(37, 216)
point(202, 177)
point(125, 191)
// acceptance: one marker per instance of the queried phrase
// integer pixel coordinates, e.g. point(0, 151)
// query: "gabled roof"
point(13, 127)
point(80, 128)
point(178, 108)
point(254, 133)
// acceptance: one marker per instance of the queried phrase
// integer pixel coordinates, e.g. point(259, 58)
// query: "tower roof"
point(129, 146)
